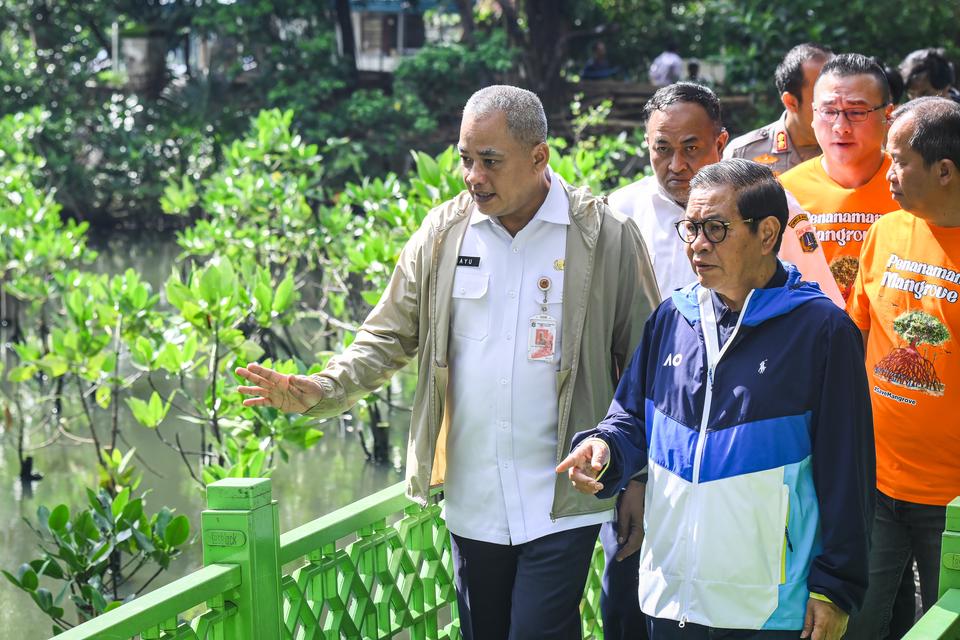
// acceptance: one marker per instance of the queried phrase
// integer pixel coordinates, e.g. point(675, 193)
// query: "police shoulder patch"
point(781, 141)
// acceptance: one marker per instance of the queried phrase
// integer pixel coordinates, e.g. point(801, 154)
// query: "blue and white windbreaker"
point(760, 457)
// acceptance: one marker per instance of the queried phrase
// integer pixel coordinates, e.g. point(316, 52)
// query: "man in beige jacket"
point(522, 299)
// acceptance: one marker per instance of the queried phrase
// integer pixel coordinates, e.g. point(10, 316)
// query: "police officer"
point(789, 140)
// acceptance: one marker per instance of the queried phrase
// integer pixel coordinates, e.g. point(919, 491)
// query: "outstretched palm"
point(290, 393)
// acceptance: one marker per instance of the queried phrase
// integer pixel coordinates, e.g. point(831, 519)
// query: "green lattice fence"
point(394, 578)
point(942, 621)
point(161, 614)
point(378, 568)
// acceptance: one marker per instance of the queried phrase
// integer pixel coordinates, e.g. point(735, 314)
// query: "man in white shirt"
point(522, 299)
point(684, 133)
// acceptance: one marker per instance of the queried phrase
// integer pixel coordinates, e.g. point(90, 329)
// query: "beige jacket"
point(609, 290)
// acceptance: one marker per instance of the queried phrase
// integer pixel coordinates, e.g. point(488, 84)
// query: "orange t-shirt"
point(907, 295)
point(841, 216)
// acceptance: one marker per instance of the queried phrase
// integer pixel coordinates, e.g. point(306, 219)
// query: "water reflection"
point(332, 474)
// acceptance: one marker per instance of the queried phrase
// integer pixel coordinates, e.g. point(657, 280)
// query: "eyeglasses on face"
point(714, 230)
point(857, 114)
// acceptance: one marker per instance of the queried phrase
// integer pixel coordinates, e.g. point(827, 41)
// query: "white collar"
point(555, 207)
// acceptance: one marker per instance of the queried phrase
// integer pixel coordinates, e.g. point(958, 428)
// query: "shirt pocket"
point(470, 315)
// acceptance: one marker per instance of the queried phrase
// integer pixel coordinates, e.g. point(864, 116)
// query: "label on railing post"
point(950, 550)
point(952, 561)
point(221, 538)
point(241, 526)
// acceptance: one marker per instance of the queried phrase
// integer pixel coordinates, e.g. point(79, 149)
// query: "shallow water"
point(332, 474)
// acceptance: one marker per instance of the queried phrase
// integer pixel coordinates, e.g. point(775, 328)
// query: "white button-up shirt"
point(502, 442)
point(655, 211)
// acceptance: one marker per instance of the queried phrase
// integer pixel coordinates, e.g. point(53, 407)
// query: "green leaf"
point(120, 501)
point(312, 437)
point(143, 541)
point(84, 528)
point(59, 518)
point(177, 292)
point(170, 358)
point(190, 348)
point(27, 578)
point(250, 351)
point(127, 457)
point(142, 351)
point(156, 408)
point(22, 373)
point(103, 549)
point(141, 412)
point(263, 294)
point(103, 396)
point(284, 295)
point(43, 598)
point(94, 597)
point(210, 285)
point(54, 365)
point(47, 567)
point(428, 169)
point(12, 578)
point(133, 511)
point(177, 531)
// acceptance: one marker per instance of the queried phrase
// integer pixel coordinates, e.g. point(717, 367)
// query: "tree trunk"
point(349, 40)
point(381, 434)
point(465, 9)
point(544, 46)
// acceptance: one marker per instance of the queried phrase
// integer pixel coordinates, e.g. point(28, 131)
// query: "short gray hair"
point(759, 193)
point(526, 119)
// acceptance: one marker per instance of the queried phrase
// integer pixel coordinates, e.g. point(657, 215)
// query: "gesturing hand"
point(290, 393)
point(584, 463)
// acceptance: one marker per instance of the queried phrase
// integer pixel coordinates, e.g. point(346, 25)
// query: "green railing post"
point(950, 551)
point(241, 526)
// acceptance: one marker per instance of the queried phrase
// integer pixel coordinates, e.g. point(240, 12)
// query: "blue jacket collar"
point(764, 304)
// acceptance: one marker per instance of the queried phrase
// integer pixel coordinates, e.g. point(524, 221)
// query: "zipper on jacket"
point(714, 352)
point(787, 545)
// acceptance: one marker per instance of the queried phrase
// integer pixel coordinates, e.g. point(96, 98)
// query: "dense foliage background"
point(110, 150)
point(293, 181)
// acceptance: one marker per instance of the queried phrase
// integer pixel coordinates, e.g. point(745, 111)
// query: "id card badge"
point(542, 339)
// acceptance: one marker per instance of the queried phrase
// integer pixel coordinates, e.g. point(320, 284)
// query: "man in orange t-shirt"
point(906, 300)
point(844, 190)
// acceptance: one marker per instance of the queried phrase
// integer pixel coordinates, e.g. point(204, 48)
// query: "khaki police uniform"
point(770, 146)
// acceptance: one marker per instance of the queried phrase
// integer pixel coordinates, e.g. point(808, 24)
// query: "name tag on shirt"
point(468, 261)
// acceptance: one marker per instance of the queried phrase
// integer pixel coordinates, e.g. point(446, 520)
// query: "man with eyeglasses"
point(684, 133)
point(747, 402)
point(844, 190)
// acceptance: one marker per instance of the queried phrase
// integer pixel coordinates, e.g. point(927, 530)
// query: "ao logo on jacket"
point(673, 360)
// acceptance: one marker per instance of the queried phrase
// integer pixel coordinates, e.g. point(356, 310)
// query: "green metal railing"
point(378, 568)
point(942, 621)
